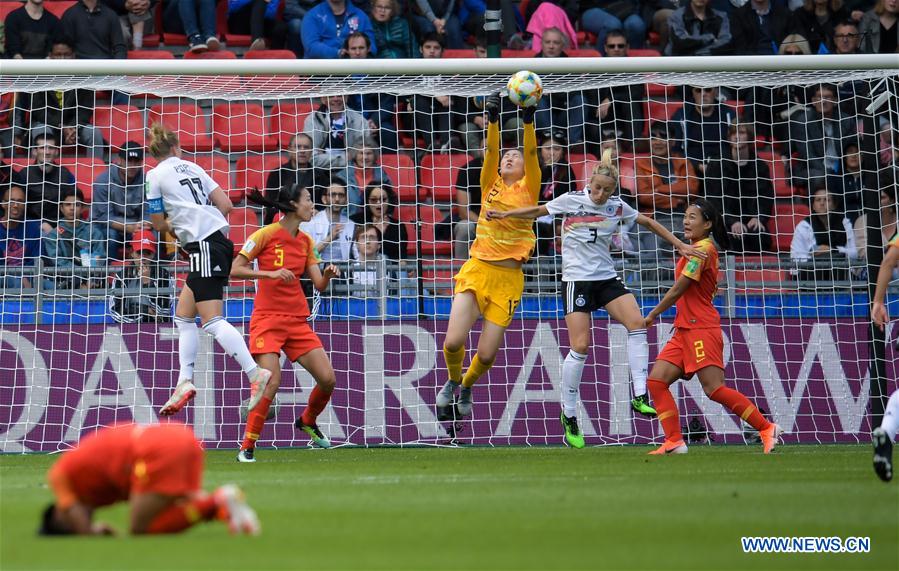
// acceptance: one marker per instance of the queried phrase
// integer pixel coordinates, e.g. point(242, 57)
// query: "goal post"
point(89, 341)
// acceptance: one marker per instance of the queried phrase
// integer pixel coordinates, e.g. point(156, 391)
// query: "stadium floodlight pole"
point(493, 28)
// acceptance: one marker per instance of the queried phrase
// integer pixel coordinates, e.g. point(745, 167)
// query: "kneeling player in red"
point(697, 345)
point(157, 469)
point(283, 253)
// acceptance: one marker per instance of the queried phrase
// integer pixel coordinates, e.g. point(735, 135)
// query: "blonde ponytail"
point(605, 167)
point(162, 141)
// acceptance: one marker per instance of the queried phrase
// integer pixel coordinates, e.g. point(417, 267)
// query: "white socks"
point(638, 359)
point(231, 341)
point(890, 423)
point(572, 370)
point(187, 346)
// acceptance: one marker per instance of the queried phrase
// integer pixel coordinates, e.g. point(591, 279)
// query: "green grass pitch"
point(501, 508)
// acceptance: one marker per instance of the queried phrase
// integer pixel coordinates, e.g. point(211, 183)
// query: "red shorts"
point(276, 333)
point(694, 349)
point(168, 460)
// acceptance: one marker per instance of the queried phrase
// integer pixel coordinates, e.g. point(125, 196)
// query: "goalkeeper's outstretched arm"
point(529, 212)
point(879, 313)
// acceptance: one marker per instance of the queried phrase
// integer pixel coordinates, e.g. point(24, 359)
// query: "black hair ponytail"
point(277, 200)
point(711, 214)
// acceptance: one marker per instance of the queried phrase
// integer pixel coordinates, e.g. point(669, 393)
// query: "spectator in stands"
point(437, 16)
point(700, 126)
point(879, 28)
point(818, 134)
point(563, 110)
point(697, 30)
point(378, 108)
point(379, 211)
point(95, 29)
point(432, 113)
point(468, 198)
point(393, 36)
point(141, 274)
point(615, 112)
point(30, 31)
point(297, 169)
point(196, 19)
point(334, 131)
point(556, 179)
point(759, 26)
point(294, 12)
point(20, 239)
point(364, 169)
point(656, 14)
point(600, 17)
point(847, 184)
point(66, 113)
point(367, 248)
point(846, 39)
point(740, 186)
point(259, 19)
point(76, 243)
point(665, 183)
point(137, 18)
point(44, 180)
point(118, 198)
point(331, 229)
point(326, 27)
point(826, 235)
point(795, 45)
point(888, 226)
point(815, 20)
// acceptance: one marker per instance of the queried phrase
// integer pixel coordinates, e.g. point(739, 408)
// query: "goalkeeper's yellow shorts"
point(497, 289)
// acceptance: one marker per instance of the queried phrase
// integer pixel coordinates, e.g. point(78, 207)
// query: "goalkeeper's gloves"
point(491, 106)
point(527, 114)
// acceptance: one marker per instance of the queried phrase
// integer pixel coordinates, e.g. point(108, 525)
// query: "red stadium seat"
point(583, 52)
point(221, 54)
point(253, 169)
point(643, 52)
point(779, 175)
point(288, 119)
point(86, 172)
point(187, 120)
point(400, 168)
point(270, 54)
point(7, 7)
point(238, 127)
point(120, 124)
point(782, 226)
point(582, 166)
point(768, 280)
point(428, 218)
point(218, 167)
point(438, 175)
point(660, 111)
point(150, 54)
point(59, 7)
point(243, 222)
point(459, 54)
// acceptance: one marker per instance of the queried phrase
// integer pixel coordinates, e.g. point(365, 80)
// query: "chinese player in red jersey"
point(283, 253)
point(697, 345)
point(157, 469)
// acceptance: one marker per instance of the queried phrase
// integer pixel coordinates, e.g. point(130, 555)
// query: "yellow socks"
point(454, 363)
point(475, 371)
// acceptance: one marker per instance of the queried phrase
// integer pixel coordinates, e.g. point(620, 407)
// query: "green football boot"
point(641, 405)
point(573, 436)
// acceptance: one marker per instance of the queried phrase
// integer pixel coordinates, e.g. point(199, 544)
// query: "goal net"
point(800, 154)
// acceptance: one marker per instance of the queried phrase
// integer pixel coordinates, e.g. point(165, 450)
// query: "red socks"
point(666, 409)
point(182, 515)
point(740, 406)
point(318, 400)
point(255, 422)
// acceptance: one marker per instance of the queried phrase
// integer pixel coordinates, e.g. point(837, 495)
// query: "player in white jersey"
point(590, 218)
point(184, 200)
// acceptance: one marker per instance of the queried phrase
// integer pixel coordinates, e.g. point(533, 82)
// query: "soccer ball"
point(272, 410)
point(525, 88)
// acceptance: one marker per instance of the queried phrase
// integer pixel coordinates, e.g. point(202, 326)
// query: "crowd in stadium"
point(402, 172)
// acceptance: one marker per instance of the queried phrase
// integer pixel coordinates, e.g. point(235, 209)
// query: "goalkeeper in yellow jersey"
point(491, 282)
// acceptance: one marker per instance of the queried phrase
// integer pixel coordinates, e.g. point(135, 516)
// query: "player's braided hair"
point(606, 166)
point(279, 199)
point(711, 214)
point(162, 141)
